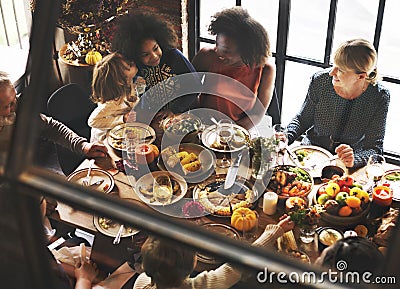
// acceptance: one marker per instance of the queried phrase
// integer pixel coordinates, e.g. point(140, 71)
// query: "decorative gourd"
point(243, 219)
point(92, 57)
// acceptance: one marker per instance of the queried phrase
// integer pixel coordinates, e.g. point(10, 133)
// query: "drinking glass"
point(162, 189)
point(132, 140)
point(375, 168)
point(280, 133)
point(224, 134)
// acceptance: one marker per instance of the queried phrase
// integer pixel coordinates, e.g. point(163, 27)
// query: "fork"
point(85, 180)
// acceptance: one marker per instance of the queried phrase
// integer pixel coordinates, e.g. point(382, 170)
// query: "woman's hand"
point(345, 154)
point(286, 223)
point(95, 149)
point(85, 274)
point(130, 116)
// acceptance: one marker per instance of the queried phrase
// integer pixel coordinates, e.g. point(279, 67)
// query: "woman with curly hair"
point(242, 52)
point(152, 44)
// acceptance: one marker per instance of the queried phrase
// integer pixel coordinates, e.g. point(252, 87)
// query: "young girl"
point(114, 93)
point(152, 43)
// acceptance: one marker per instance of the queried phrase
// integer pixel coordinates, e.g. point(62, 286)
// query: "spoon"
point(118, 236)
point(214, 120)
point(85, 180)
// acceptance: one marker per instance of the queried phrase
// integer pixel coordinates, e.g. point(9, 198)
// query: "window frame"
point(281, 55)
point(25, 181)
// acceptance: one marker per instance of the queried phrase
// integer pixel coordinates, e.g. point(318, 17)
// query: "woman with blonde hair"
point(346, 106)
point(113, 91)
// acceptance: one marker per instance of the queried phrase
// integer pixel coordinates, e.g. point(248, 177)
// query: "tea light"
point(382, 196)
point(270, 203)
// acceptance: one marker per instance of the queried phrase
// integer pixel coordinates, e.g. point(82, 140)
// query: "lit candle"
point(270, 203)
point(382, 196)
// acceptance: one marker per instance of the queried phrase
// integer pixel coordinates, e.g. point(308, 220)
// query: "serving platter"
point(210, 140)
point(144, 188)
point(110, 228)
point(312, 158)
point(169, 161)
point(96, 175)
point(392, 177)
point(221, 229)
point(116, 136)
point(220, 202)
point(289, 181)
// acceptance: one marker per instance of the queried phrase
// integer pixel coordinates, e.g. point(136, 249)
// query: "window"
point(316, 28)
point(14, 36)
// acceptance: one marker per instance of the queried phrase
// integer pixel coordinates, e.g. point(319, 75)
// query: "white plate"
point(221, 229)
point(95, 175)
point(113, 229)
point(206, 157)
point(209, 138)
point(394, 185)
point(202, 193)
point(316, 159)
point(116, 135)
point(145, 183)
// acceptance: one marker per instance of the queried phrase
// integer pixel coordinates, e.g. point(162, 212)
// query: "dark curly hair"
point(251, 37)
point(133, 29)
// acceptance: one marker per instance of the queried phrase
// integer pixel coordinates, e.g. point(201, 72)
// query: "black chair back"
point(71, 105)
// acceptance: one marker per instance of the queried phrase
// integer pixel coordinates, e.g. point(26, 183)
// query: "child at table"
point(168, 265)
point(114, 93)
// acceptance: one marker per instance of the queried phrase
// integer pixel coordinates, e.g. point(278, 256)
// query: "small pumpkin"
point(92, 57)
point(244, 219)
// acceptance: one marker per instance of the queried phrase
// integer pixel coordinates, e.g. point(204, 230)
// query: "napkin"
point(72, 255)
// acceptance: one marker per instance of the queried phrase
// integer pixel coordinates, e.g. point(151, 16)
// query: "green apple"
point(341, 198)
point(323, 198)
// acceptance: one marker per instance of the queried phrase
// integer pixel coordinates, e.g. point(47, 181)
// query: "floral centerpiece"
point(262, 154)
point(87, 19)
point(307, 220)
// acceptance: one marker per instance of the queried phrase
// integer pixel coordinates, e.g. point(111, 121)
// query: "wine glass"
point(280, 133)
point(375, 168)
point(162, 189)
point(224, 134)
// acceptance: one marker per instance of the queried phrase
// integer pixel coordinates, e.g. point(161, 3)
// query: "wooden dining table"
point(115, 255)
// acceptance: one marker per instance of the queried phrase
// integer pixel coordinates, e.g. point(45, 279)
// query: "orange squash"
point(243, 219)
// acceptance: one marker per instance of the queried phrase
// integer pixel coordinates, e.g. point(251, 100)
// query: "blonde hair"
point(109, 79)
point(167, 264)
point(360, 56)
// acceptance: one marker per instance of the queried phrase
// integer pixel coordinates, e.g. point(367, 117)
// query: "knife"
point(232, 172)
point(294, 158)
point(96, 184)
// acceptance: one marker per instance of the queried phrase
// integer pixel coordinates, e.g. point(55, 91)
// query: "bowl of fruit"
point(344, 201)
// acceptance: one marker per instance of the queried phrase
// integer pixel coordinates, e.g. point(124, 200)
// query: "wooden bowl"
point(270, 183)
point(343, 221)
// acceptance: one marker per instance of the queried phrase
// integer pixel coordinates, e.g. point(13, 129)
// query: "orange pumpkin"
point(155, 150)
point(243, 219)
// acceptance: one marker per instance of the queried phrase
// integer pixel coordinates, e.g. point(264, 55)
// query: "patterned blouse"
point(329, 120)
